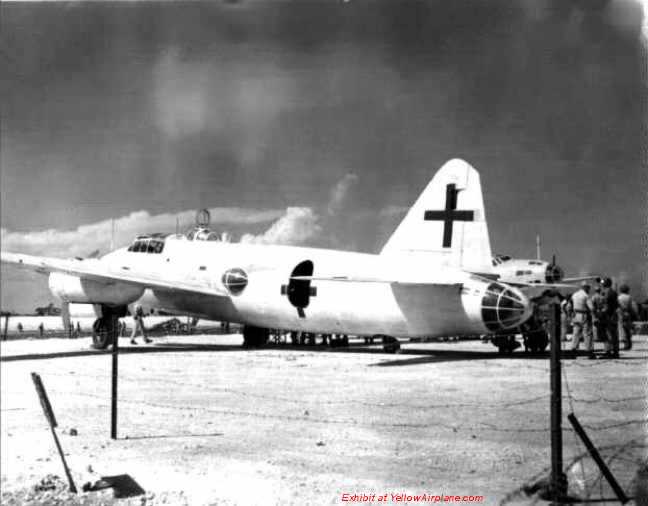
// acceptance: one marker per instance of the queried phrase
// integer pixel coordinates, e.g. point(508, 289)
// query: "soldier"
point(610, 319)
point(138, 324)
point(627, 315)
point(582, 319)
point(597, 315)
point(566, 314)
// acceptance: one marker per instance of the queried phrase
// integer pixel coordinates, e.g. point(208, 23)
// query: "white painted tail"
point(447, 222)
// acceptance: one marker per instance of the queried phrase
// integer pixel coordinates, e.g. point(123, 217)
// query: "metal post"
point(6, 327)
point(558, 478)
point(597, 458)
point(113, 400)
point(51, 420)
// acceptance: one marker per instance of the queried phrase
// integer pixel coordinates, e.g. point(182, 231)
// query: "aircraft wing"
point(100, 271)
point(582, 278)
point(547, 286)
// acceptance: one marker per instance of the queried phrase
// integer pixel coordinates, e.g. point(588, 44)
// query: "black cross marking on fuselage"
point(312, 292)
point(449, 214)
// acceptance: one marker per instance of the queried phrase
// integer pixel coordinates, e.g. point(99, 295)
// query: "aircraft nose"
point(504, 307)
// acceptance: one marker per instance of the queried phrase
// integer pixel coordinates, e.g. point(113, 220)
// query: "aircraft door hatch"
point(299, 291)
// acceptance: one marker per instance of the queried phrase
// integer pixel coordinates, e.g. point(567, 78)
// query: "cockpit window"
point(498, 259)
point(145, 244)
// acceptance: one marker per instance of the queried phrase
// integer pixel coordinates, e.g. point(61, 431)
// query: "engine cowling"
point(498, 306)
point(71, 288)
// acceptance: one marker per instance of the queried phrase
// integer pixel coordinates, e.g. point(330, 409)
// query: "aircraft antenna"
point(538, 247)
point(112, 234)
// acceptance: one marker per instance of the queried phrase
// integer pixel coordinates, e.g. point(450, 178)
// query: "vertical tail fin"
point(447, 222)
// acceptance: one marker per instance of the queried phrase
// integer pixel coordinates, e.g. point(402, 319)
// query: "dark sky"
point(112, 108)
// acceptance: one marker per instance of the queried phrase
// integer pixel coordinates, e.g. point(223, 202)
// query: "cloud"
point(298, 225)
point(220, 98)
point(86, 238)
point(339, 193)
point(305, 225)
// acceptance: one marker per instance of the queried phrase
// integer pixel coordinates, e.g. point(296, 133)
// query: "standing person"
point(566, 314)
point(597, 315)
point(582, 319)
point(610, 319)
point(627, 315)
point(138, 323)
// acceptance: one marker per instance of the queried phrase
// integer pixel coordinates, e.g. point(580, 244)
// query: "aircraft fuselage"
point(324, 306)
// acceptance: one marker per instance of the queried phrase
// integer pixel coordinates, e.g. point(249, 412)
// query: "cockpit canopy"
point(202, 234)
point(500, 259)
point(153, 243)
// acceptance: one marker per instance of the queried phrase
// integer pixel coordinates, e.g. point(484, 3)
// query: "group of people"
point(601, 316)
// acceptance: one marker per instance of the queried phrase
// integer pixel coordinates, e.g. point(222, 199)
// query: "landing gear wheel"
point(536, 341)
point(506, 344)
point(255, 337)
point(104, 331)
point(390, 344)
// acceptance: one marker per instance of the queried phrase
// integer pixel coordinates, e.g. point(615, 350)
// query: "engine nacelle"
point(498, 306)
point(71, 288)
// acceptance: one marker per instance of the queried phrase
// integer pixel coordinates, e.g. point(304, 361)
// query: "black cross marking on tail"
point(449, 214)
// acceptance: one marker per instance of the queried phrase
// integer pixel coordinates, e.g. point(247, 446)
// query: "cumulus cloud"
point(86, 238)
point(306, 225)
point(298, 225)
point(292, 226)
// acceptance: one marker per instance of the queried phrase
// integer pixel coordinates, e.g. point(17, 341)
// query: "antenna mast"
point(112, 234)
point(538, 247)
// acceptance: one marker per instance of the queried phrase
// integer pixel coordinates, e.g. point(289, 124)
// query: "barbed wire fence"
point(586, 478)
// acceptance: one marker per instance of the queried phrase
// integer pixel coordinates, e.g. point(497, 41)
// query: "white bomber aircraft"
point(525, 271)
point(433, 277)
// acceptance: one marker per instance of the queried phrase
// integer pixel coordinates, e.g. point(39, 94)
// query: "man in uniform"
point(138, 324)
point(597, 314)
point(566, 314)
point(610, 319)
point(627, 315)
point(582, 319)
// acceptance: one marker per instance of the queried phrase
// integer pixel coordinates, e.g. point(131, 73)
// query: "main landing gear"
point(534, 336)
point(255, 337)
point(105, 329)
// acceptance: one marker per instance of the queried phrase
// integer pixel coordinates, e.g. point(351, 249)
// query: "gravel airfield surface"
point(202, 421)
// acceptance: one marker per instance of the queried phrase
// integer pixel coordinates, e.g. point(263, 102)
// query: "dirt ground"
point(202, 421)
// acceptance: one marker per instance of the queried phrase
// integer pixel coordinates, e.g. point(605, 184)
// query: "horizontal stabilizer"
point(355, 279)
